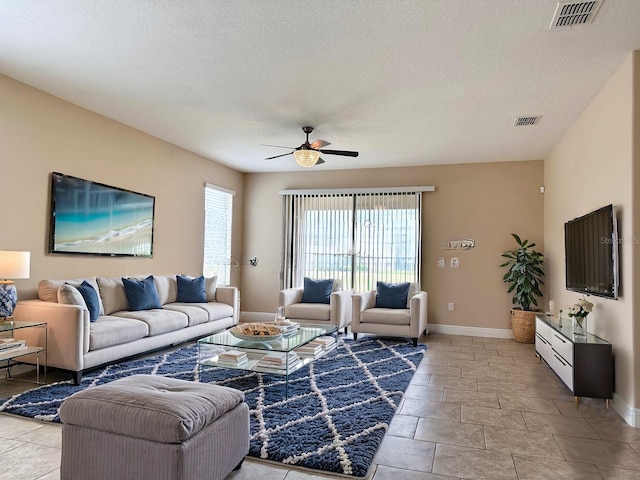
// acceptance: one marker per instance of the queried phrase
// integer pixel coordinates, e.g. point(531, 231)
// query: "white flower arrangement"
point(581, 309)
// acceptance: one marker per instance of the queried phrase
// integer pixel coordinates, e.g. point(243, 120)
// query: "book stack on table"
point(287, 327)
point(278, 360)
point(233, 357)
point(312, 350)
point(11, 345)
point(326, 342)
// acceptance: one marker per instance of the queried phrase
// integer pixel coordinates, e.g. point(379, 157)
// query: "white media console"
point(583, 362)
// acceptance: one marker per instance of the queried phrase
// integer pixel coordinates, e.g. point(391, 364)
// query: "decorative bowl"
point(256, 332)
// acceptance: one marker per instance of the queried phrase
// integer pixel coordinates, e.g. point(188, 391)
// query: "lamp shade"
point(306, 158)
point(14, 265)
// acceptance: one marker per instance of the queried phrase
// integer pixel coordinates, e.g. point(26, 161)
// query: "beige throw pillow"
point(69, 295)
point(210, 288)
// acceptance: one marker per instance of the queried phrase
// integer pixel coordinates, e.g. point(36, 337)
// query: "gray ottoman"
point(151, 427)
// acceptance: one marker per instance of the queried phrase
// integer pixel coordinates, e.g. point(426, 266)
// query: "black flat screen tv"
point(91, 218)
point(591, 253)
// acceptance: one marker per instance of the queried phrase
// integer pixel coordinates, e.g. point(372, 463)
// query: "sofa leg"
point(345, 329)
point(237, 467)
point(355, 336)
point(415, 342)
point(77, 377)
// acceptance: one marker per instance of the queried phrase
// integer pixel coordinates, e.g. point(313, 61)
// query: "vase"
point(579, 326)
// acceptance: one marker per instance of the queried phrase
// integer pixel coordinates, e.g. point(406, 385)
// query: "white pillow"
point(210, 288)
point(69, 295)
point(414, 289)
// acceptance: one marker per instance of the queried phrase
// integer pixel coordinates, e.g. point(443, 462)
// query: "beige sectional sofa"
point(76, 344)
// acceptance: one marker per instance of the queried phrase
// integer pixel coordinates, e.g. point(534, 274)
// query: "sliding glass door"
point(357, 237)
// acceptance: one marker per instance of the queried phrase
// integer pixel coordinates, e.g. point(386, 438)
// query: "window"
point(218, 211)
point(359, 236)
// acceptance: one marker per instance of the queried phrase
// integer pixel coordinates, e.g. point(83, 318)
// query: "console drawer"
point(544, 330)
point(563, 346)
point(543, 347)
point(563, 369)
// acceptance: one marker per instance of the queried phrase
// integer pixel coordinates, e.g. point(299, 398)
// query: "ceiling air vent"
point(526, 121)
point(571, 13)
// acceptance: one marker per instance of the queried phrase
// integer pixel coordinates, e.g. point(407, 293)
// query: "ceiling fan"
point(308, 154)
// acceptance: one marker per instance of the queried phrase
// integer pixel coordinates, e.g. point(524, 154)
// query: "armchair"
point(336, 312)
point(394, 322)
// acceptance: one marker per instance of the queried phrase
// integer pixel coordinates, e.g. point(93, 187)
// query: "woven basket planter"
point(523, 324)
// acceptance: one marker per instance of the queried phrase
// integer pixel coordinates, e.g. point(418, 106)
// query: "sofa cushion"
point(48, 289)
point(159, 320)
point(210, 288)
point(216, 310)
point(317, 291)
point(112, 294)
point(386, 316)
point(308, 311)
point(109, 331)
point(141, 294)
point(194, 313)
point(70, 295)
point(167, 288)
point(191, 289)
point(414, 289)
point(390, 295)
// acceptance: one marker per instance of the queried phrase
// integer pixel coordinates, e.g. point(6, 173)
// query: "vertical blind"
point(218, 211)
point(360, 238)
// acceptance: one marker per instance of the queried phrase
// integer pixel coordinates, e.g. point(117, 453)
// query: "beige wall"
point(40, 134)
point(593, 166)
point(482, 201)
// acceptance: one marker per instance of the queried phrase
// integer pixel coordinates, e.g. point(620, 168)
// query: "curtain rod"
point(320, 191)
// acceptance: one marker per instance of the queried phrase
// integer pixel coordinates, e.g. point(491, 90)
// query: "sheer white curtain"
point(359, 237)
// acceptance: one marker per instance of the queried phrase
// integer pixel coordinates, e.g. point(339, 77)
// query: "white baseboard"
point(628, 414)
point(470, 331)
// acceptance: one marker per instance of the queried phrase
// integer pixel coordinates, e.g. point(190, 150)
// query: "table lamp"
point(13, 265)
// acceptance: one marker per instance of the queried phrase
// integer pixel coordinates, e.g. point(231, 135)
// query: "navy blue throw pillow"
point(141, 294)
point(317, 291)
point(392, 296)
point(91, 299)
point(191, 290)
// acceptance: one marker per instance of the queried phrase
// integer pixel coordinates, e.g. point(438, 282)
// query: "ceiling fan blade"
point(320, 161)
point(277, 146)
point(345, 153)
point(278, 156)
point(320, 143)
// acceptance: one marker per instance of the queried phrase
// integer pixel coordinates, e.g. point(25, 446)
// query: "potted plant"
point(524, 276)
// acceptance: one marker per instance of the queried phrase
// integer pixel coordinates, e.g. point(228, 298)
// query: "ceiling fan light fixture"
point(306, 158)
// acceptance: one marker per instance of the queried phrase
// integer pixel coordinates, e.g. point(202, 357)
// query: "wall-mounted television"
point(591, 253)
point(91, 218)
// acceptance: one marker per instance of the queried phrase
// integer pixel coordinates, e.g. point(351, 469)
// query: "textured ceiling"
point(411, 82)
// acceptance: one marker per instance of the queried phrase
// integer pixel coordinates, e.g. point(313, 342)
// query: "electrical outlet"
point(452, 307)
point(442, 263)
point(455, 262)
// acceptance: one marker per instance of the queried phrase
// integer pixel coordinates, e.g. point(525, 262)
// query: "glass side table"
point(12, 357)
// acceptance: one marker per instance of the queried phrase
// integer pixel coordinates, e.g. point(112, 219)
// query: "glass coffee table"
point(283, 356)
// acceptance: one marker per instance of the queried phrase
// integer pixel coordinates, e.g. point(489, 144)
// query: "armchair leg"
point(415, 342)
point(345, 330)
point(355, 336)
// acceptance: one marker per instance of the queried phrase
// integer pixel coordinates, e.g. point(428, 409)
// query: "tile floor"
point(477, 408)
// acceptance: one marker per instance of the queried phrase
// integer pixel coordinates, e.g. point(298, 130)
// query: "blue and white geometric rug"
point(336, 414)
